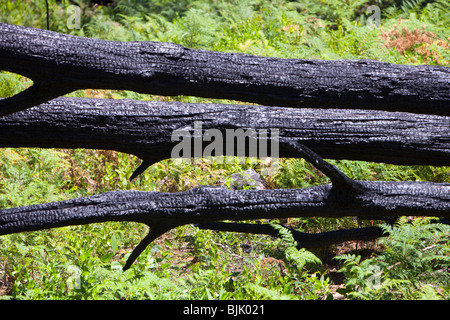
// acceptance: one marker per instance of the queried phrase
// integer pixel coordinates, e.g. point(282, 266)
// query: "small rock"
point(249, 179)
point(338, 296)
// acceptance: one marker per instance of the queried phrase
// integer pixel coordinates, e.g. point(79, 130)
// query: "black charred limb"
point(60, 63)
point(145, 129)
point(303, 239)
point(163, 211)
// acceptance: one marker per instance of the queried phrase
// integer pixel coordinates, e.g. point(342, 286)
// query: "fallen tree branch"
point(145, 129)
point(163, 211)
point(60, 63)
point(303, 239)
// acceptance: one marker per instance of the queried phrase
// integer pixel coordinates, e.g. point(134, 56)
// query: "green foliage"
point(413, 265)
point(25, 178)
point(12, 84)
point(300, 257)
point(436, 11)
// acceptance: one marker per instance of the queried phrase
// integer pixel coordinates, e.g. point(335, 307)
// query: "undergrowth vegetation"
point(84, 262)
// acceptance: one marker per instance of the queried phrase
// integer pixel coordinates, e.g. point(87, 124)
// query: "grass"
point(84, 262)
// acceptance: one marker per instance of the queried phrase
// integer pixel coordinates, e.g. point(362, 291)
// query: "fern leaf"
point(301, 257)
point(284, 234)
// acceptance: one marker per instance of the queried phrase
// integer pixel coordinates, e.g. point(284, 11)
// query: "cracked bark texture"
point(145, 128)
point(163, 211)
point(60, 63)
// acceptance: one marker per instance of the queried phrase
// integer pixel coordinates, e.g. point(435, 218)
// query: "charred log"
point(145, 129)
point(303, 239)
point(60, 63)
point(164, 211)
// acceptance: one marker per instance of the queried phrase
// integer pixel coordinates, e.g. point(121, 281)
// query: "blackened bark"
point(60, 63)
point(163, 211)
point(376, 200)
point(303, 239)
point(145, 128)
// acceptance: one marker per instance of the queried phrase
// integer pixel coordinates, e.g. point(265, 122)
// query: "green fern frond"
point(266, 293)
point(409, 6)
point(284, 234)
point(302, 257)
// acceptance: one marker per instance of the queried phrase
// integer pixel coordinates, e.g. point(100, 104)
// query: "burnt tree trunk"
point(60, 63)
point(164, 211)
point(145, 129)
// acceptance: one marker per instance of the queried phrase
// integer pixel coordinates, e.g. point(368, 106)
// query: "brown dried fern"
point(418, 41)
